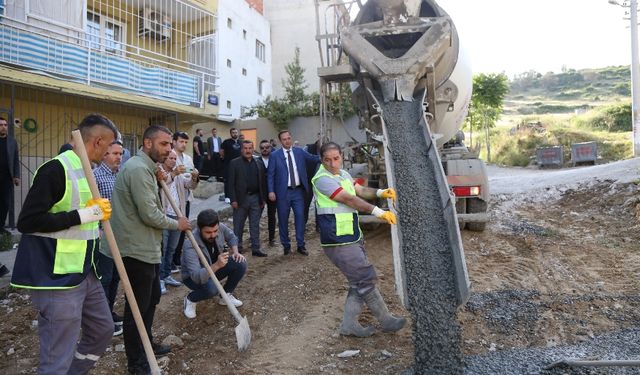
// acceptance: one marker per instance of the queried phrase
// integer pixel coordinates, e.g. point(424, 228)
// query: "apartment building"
point(244, 57)
point(139, 62)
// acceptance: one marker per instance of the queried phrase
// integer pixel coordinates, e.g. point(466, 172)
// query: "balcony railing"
point(105, 58)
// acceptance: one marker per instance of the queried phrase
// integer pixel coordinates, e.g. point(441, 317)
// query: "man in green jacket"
point(138, 220)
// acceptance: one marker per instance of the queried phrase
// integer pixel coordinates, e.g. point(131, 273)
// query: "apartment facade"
point(244, 45)
point(139, 62)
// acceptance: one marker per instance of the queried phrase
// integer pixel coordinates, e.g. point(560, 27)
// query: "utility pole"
point(635, 71)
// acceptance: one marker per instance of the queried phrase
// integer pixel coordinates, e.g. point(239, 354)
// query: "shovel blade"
point(243, 334)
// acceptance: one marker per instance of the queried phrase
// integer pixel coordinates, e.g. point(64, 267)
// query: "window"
point(228, 104)
point(243, 110)
point(260, 83)
point(244, 34)
point(105, 34)
point(260, 50)
point(244, 71)
point(228, 63)
point(229, 23)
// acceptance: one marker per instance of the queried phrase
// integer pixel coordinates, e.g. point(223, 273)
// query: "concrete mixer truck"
point(412, 86)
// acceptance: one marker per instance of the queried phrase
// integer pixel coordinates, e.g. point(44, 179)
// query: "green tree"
point(280, 111)
point(487, 100)
point(295, 83)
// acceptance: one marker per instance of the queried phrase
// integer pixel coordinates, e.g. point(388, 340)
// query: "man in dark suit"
point(265, 156)
point(287, 183)
point(246, 193)
point(214, 159)
point(9, 171)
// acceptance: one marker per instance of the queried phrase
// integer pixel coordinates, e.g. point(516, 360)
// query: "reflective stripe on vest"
point(71, 243)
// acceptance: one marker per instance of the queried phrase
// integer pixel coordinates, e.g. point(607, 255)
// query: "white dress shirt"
point(295, 166)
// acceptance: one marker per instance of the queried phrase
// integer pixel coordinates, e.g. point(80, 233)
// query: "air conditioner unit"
point(154, 24)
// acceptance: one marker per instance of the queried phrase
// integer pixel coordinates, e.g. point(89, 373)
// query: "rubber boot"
point(350, 325)
point(389, 322)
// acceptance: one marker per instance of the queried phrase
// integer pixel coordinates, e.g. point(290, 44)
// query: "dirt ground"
point(550, 269)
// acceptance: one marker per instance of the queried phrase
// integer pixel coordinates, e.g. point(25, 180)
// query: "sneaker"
point(117, 330)
point(175, 269)
point(163, 289)
point(236, 302)
point(171, 281)
point(117, 319)
point(189, 308)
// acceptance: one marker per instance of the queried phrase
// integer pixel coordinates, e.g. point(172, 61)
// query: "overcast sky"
point(515, 36)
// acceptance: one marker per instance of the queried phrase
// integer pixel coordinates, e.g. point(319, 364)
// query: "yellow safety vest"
point(338, 222)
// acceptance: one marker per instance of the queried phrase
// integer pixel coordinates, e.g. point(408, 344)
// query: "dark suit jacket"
point(238, 181)
point(210, 141)
point(278, 171)
point(12, 157)
point(264, 185)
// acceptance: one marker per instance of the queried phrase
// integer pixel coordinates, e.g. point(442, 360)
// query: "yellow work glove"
point(95, 210)
point(387, 194)
point(387, 216)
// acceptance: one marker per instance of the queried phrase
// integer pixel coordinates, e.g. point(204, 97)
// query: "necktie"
point(292, 173)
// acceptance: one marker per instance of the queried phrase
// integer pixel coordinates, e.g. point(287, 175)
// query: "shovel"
point(115, 253)
point(243, 333)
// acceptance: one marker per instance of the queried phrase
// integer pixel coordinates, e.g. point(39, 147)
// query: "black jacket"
point(238, 181)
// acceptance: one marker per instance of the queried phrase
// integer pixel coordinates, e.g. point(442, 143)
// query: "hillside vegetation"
point(561, 109)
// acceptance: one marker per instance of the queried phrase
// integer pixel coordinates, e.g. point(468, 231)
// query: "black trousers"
point(177, 253)
point(145, 282)
point(6, 195)
point(271, 219)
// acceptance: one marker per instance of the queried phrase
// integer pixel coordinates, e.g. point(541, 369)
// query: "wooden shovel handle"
point(115, 253)
point(203, 259)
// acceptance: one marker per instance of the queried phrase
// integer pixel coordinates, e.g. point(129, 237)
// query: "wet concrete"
point(428, 259)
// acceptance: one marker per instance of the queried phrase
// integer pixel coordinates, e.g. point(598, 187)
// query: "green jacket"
point(138, 217)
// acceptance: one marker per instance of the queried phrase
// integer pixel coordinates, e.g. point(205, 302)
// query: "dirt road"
point(558, 264)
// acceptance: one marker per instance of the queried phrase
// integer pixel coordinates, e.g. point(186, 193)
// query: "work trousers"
point(249, 208)
point(353, 263)
point(109, 278)
point(145, 282)
point(61, 316)
point(233, 272)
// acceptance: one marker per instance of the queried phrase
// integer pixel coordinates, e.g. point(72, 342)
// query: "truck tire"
point(476, 206)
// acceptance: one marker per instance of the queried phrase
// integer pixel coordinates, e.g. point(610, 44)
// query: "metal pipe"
point(635, 78)
point(595, 363)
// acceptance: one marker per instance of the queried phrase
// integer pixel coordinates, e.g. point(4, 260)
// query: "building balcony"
point(166, 52)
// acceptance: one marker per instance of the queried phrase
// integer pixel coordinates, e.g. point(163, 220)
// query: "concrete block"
point(208, 189)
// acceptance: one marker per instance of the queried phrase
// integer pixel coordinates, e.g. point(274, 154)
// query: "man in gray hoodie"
point(212, 238)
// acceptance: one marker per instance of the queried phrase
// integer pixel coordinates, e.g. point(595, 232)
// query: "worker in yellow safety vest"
point(57, 254)
point(338, 201)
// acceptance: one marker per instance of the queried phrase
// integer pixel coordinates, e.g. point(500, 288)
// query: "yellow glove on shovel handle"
point(103, 204)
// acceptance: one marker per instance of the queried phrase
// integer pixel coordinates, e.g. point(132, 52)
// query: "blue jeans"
point(233, 271)
point(169, 243)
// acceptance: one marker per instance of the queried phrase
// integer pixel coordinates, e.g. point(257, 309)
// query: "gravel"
point(622, 345)
point(427, 251)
